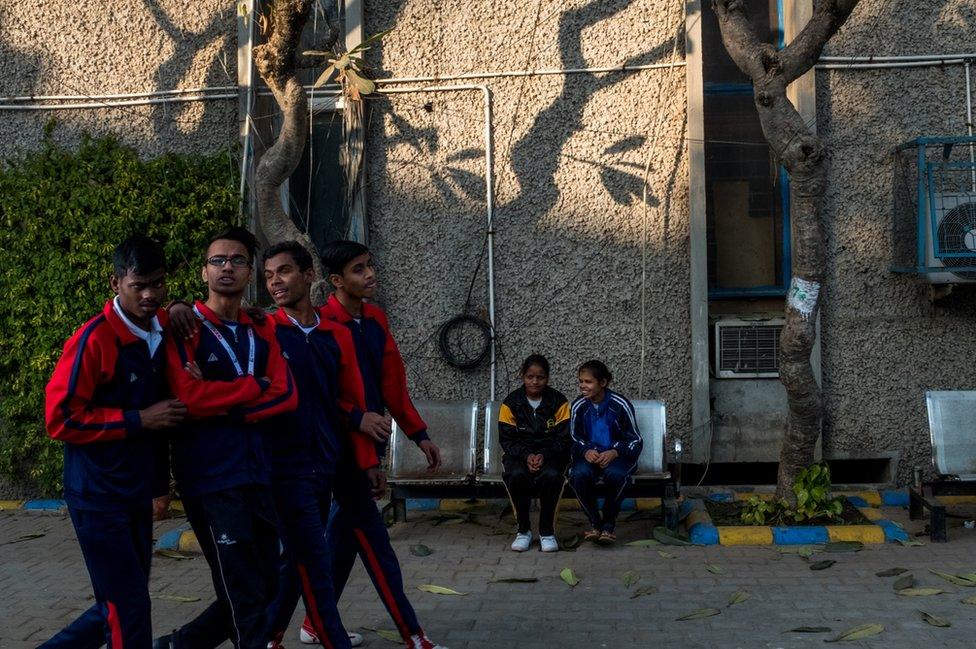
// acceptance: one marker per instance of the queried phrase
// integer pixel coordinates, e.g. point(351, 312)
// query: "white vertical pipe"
point(489, 201)
point(969, 122)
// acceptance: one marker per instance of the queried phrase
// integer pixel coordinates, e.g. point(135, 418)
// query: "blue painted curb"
point(893, 531)
point(894, 499)
point(857, 501)
point(44, 505)
point(800, 535)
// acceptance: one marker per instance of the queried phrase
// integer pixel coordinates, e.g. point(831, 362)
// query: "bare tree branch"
point(275, 61)
point(804, 51)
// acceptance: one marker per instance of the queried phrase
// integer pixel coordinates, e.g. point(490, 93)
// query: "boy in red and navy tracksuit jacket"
point(108, 402)
point(315, 439)
point(233, 379)
point(355, 524)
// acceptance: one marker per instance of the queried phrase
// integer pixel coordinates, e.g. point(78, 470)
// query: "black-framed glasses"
point(237, 261)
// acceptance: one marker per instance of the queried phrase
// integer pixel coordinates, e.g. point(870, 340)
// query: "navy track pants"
point(586, 480)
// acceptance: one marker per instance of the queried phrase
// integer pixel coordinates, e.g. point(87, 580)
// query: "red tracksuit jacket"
point(104, 377)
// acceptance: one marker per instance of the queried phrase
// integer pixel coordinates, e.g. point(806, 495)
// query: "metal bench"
point(952, 428)
point(652, 478)
point(453, 425)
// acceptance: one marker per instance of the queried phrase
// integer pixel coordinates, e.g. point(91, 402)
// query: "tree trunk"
point(277, 62)
point(804, 155)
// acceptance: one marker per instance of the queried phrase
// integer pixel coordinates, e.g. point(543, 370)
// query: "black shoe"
point(167, 641)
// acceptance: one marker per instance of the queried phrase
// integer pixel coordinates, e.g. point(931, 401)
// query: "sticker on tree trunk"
point(803, 296)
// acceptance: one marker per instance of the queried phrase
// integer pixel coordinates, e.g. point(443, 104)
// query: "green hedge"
point(61, 214)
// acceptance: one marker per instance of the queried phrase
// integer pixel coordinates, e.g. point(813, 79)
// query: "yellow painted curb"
point(871, 513)
point(457, 504)
point(189, 543)
point(746, 495)
point(862, 533)
point(10, 504)
point(176, 506)
point(745, 535)
point(957, 500)
point(872, 498)
point(647, 503)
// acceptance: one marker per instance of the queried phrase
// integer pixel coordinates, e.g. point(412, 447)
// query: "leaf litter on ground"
point(667, 537)
point(182, 599)
point(643, 590)
point(715, 569)
point(890, 572)
point(958, 580)
point(420, 550)
point(919, 592)
point(810, 629)
point(844, 546)
point(514, 580)
point(173, 554)
point(643, 543)
point(569, 577)
point(438, 590)
point(858, 633)
point(904, 582)
point(699, 614)
point(738, 597)
point(666, 555)
point(822, 565)
point(629, 578)
point(935, 620)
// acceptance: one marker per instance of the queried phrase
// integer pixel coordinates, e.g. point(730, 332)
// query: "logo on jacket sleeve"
point(133, 378)
point(212, 358)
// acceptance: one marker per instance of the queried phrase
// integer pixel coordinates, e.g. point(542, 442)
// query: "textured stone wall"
point(55, 47)
point(884, 342)
point(570, 152)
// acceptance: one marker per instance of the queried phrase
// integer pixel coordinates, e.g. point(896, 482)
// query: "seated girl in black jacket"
point(532, 429)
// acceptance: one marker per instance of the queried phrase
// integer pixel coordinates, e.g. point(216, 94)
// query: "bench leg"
point(937, 524)
point(669, 508)
point(399, 509)
point(915, 508)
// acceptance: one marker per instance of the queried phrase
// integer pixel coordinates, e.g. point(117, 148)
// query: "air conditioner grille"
point(749, 349)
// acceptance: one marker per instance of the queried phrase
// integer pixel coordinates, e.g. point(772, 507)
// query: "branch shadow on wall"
point(178, 65)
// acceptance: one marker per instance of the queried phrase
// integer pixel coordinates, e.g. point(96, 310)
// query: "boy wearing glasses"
point(232, 377)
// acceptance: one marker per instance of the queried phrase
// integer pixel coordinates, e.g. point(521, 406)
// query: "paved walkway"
point(44, 586)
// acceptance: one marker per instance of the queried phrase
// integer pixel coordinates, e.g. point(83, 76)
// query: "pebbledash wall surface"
point(583, 266)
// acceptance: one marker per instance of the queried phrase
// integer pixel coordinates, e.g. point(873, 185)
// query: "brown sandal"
point(607, 538)
point(592, 535)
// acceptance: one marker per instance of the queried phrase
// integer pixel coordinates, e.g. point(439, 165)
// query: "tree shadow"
point(180, 63)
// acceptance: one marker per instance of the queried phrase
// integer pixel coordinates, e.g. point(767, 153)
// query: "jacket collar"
point(601, 407)
point(281, 318)
point(334, 309)
point(119, 327)
point(208, 314)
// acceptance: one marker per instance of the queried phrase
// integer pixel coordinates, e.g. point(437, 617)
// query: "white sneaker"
point(548, 544)
point(522, 542)
point(307, 636)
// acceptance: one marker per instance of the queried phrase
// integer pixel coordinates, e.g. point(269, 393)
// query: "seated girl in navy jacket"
point(606, 445)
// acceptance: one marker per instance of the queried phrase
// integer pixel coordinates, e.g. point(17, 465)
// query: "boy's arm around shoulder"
point(280, 395)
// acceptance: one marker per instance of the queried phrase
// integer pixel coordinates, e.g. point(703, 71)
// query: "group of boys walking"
point(271, 425)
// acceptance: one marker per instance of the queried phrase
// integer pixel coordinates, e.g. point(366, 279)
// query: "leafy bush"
point(812, 491)
point(61, 214)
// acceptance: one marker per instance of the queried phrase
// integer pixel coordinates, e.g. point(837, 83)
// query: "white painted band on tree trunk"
point(803, 296)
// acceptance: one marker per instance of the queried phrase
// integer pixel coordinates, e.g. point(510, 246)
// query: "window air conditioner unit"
point(747, 349)
point(955, 233)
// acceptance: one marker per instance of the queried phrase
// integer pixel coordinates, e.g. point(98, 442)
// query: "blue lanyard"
point(227, 348)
